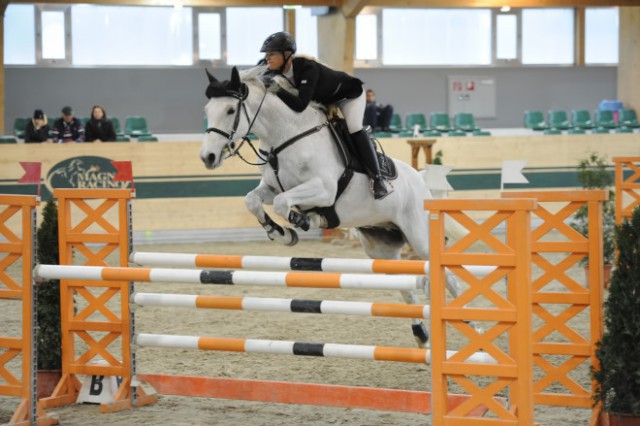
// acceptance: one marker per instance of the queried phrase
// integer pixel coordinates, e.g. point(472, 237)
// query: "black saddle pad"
point(352, 161)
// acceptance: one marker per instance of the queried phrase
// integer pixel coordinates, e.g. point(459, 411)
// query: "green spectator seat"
point(581, 119)
point(557, 119)
point(624, 130)
point(440, 121)
point(122, 138)
point(8, 139)
point(136, 126)
point(252, 137)
point(600, 130)
point(116, 126)
point(405, 134)
point(382, 134)
point(431, 133)
point(481, 133)
point(464, 121)
point(604, 118)
point(416, 118)
point(553, 132)
point(455, 133)
point(576, 131)
point(396, 123)
point(628, 118)
point(20, 126)
point(147, 138)
point(534, 120)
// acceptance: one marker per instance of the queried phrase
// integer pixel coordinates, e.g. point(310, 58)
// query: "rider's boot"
point(369, 160)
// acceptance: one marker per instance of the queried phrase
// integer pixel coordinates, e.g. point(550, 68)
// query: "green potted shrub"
point(593, 174)
point(48, 332)
point(618, 378)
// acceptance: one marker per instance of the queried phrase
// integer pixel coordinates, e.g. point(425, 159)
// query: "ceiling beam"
point(500, 3)
point(351, 8)
point(3, 6)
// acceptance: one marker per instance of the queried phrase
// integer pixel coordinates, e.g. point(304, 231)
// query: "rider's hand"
point(273, 87)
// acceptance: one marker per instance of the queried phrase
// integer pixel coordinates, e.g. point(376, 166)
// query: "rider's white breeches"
point(353, 110)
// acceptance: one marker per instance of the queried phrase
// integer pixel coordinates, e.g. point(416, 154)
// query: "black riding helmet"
point(279, 42)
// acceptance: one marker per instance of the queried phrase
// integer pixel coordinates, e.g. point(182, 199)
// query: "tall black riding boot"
point(370, 162)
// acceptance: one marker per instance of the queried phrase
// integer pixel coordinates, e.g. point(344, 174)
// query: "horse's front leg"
point(310, 193)
point(254, 201)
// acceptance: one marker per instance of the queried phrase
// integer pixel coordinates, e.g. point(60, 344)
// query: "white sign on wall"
point(473, 94)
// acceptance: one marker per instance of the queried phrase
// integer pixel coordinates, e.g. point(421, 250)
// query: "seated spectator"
point(99, 128)
point(37, 129)
point(68, 128)
point(377, 115)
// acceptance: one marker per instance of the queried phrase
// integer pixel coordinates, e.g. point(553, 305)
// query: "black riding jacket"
point(317, 82)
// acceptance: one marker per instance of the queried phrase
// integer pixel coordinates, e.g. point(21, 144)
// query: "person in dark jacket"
point(377, 115)
point(37, 129)
point(68, 128)
point(99, 128)
point(317, 82)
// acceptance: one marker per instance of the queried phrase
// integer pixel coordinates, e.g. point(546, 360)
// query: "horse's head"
point(227, 118)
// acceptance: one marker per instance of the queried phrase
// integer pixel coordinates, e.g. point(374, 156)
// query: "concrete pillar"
point(336, 41)
point(628, 80)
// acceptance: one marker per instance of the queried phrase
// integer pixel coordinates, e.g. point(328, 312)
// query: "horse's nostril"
point(211, 158)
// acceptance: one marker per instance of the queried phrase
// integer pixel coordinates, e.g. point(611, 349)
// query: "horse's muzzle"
point(209, 160)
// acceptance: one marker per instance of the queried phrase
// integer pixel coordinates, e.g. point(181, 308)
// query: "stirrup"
point(379, 188)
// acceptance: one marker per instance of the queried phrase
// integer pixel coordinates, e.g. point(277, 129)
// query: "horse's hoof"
point(300, 220)
point(294, 238)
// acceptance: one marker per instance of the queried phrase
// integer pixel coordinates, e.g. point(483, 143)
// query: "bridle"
point(230, 149)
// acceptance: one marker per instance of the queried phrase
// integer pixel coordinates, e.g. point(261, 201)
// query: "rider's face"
point(274, 60)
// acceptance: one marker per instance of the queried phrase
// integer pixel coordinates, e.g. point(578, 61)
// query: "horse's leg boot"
point(370, 161)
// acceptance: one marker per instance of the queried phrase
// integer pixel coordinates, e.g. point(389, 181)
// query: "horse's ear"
point(235, 79)
point(211, 77)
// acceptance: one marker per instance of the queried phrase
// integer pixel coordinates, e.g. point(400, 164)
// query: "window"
point(19, 35)
point(53, 35)
point(209, 32)
point(506, 37)
point(602, 29)
point(547, 36)
point(436, 36)
point(121, 35)
point(247, 28)
point(306, 32)
point(366, 37)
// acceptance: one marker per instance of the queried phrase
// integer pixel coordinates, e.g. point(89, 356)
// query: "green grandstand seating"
point(576, 131)
point(9, 139)
point(534, 120)
point(581, 119)
point(464, 121)
point(396, 123)
point(416, 118)
point(553, 132)
point(604, 118)
point(624, 130)
point(147, 138)
point(600, 130)
point(628, 118)
point(557, 119)
point(455, 133)
point(481, 133)
point(136, 126)
point(19, 127)
point(440, 121)
point(122, 138)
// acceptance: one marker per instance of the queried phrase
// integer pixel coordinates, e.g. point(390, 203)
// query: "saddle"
point(352, 163)
point(350, 157)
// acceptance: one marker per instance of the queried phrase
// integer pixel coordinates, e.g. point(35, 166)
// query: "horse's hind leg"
point(380, 243)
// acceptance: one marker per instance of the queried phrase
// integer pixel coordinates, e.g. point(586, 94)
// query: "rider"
point(320, 83)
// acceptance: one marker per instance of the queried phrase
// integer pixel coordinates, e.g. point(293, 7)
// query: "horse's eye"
point(231, 111)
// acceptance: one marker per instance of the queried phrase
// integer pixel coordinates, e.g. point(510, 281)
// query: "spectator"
point(68, 128)
point(376, 115)
point(99, 128)
point(37, 129)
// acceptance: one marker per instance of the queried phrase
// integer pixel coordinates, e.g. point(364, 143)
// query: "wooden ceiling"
point(349, 5)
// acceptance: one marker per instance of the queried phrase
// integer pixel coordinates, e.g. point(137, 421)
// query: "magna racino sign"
point(84, 172)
